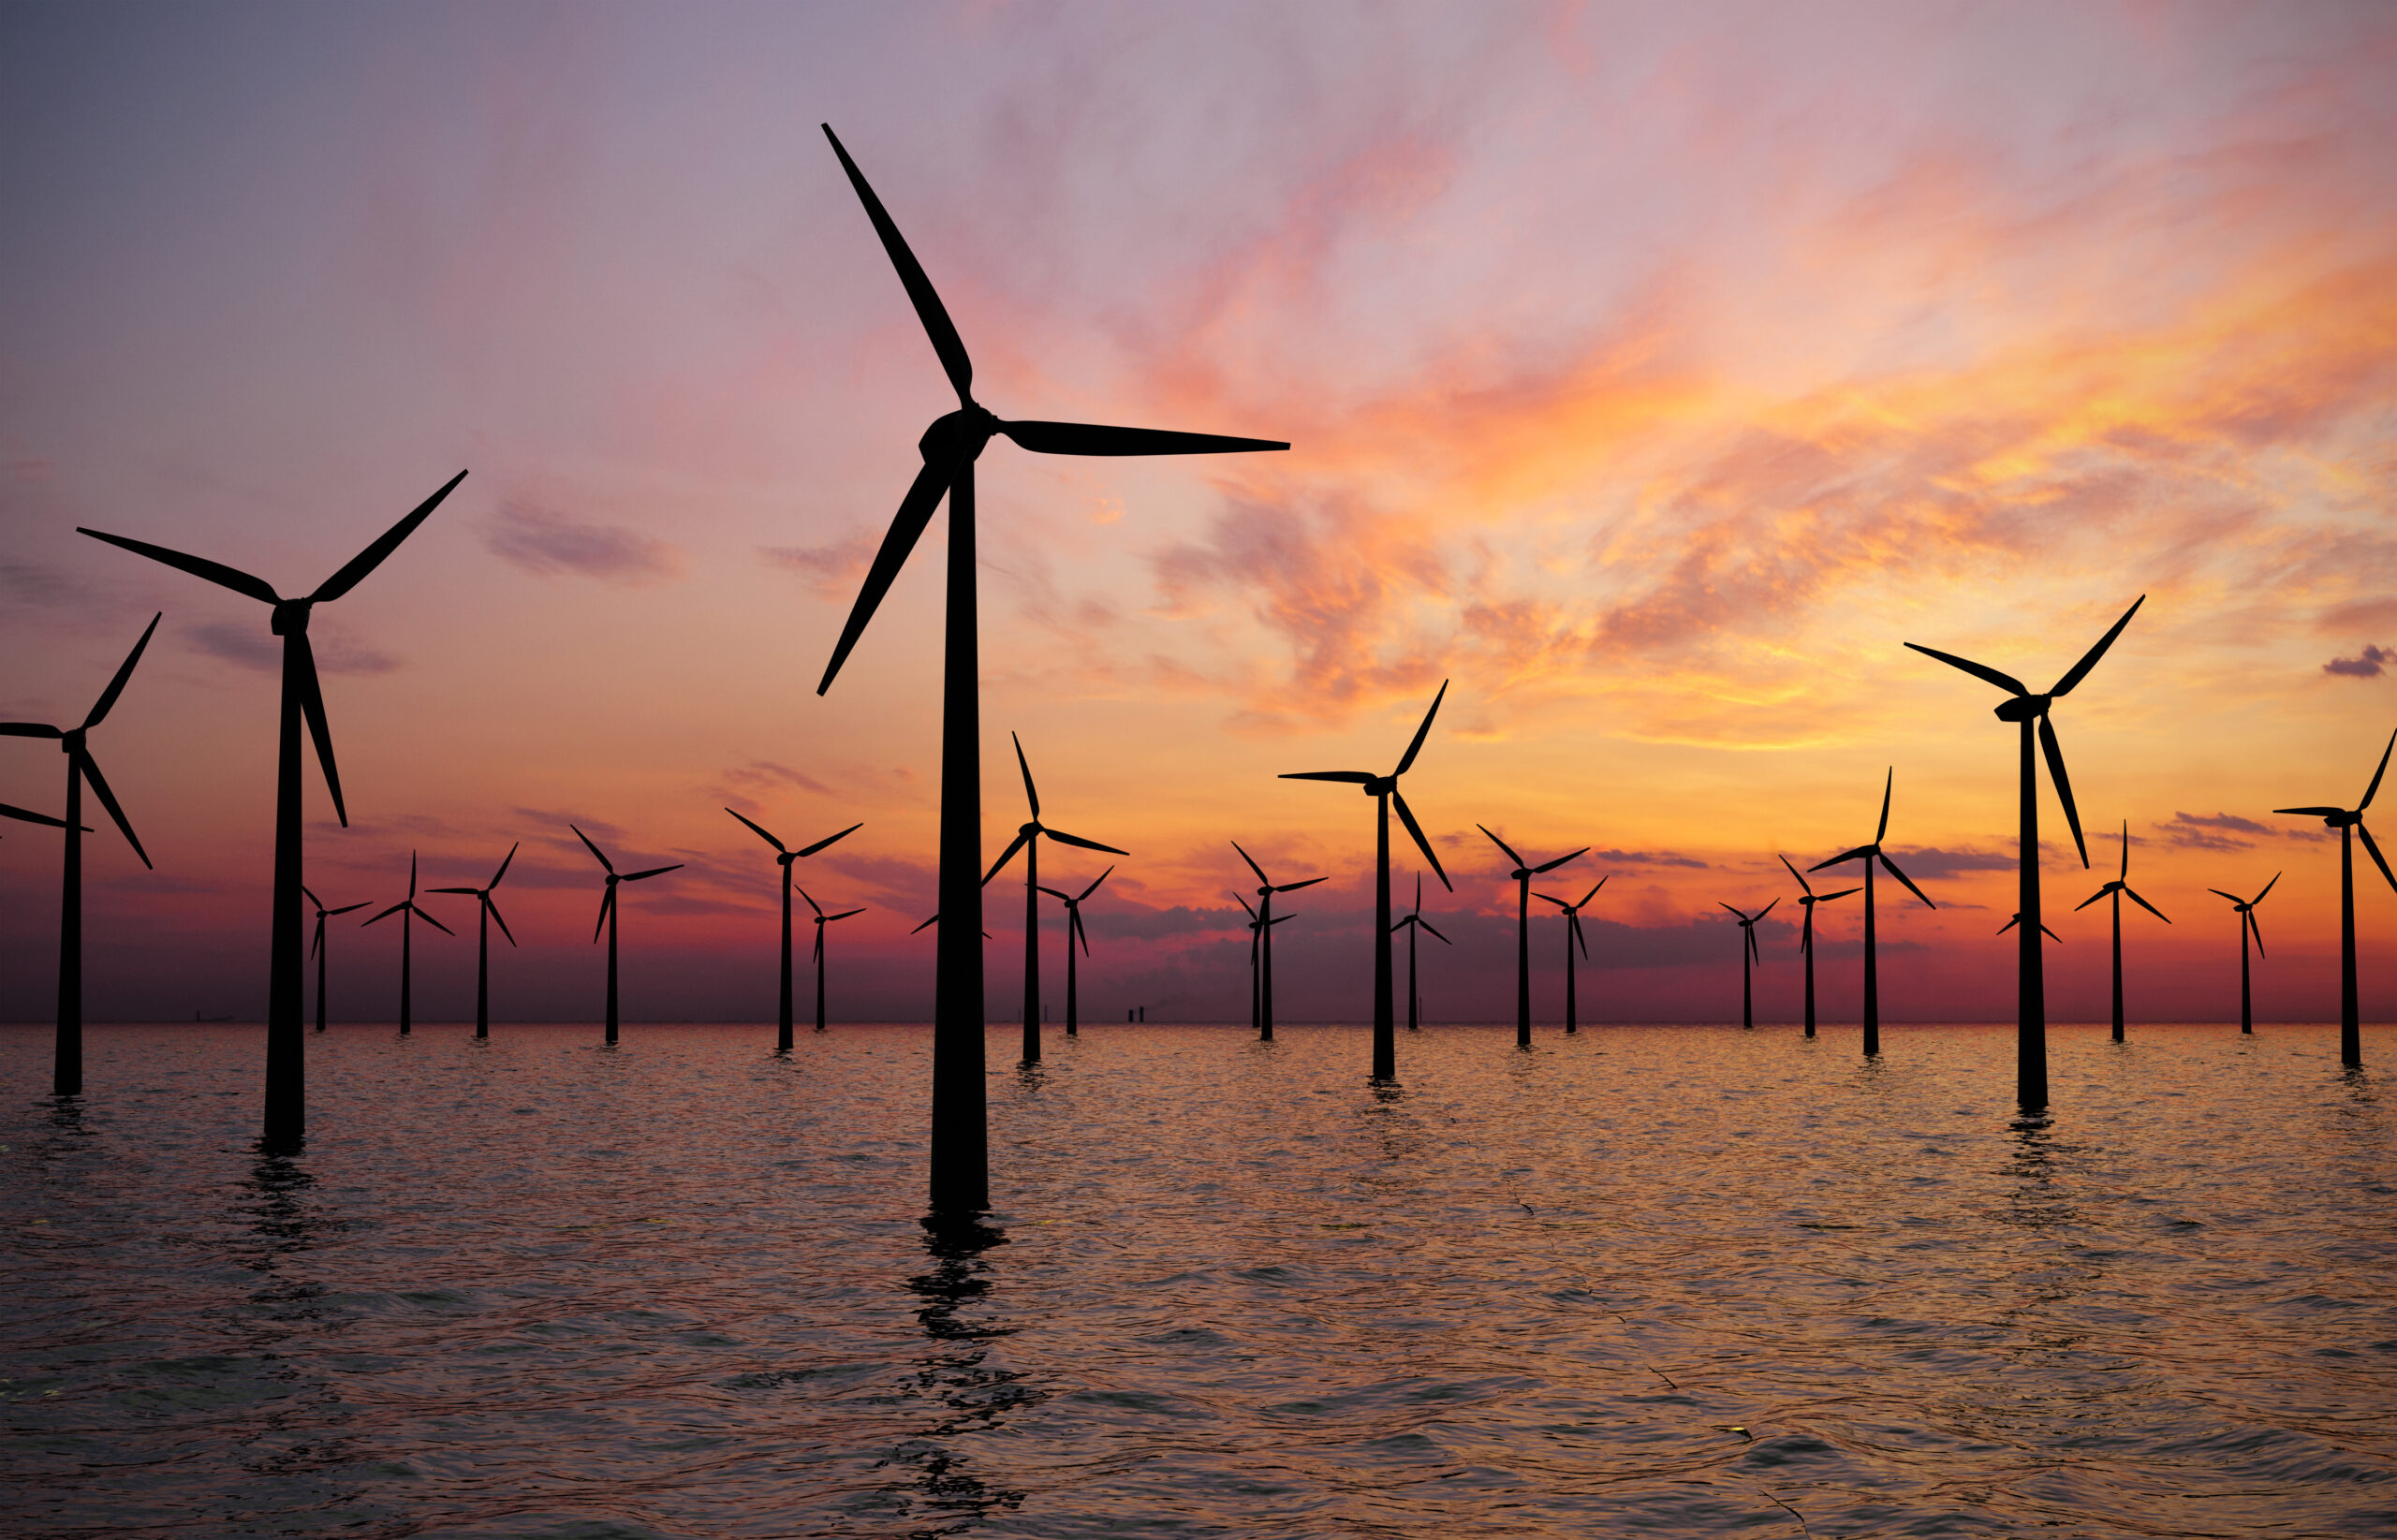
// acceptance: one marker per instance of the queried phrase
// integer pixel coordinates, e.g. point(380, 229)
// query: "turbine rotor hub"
point(290, 617)
point(2351, 819)
point(958, 435)
point(2025, 708)
point(1381, 786)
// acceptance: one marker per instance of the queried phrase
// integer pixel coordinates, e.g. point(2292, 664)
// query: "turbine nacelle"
point(2025, 708)
point(959, 436)
point(289, 617)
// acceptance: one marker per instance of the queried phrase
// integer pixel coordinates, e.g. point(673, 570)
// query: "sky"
point(1652, 375)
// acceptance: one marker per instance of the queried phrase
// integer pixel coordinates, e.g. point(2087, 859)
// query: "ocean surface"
point(1645, 1281)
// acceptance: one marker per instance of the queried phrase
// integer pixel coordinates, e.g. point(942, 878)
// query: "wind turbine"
point(1412, 923)
point(1807, 899)
point(1260, 969)
point(2246, 911)
point(783, 856)
point(1524, 874)
point(1074, 933)
point(608, 917)
point(1384, 790)
point(410, 914)
point(1027, 839)
point(488, 910)
point(2118, 889)
point(2345, 820)
point(822, 919)
point(287, 1043)
point(1263, 914)
point(318, 949)
point(959, 1135)
point(1869, 854)
point(1749, 958)
point(2031, 712)
point(67, 1062)
point(1573, 936)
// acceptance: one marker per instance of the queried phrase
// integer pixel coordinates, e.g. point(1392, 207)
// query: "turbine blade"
point(843, 915)
point(933, 920)
point(1559, 903)
point(1079, 934)
point(1577, 936)
point(2091, 898)
point(1083, 438)
point(652, 872)
point(594, 849)
point(1435, 931)
point(1807, 932)
point(2124, 875)
point(2054, 751)
point(1888, 785)
point(1743, 919)
point(312, 705)
point(411, 876)
point(125, 671)
point(1094, 883)
point(1030, 794)
point(1294, 887)
point(475, 891)
point(429, 920)
point(1502, 844)
point(199, 567)
point(319, 940)
point(1353, 778)
point(493, 907)
point(2368, 791)
point(832, 839)
point(1253, 866)
point(1561, 860)
point(312, 897)
point(503, 864)
point(2004, 681)
point(384, 915)
point(2232, 896)
point(1802, 883)
point(2268, 888)
point(1826, 898)
point(1770, 902)
point(24, 816)
point(1245, 905)
point(2009, 925)
point(1024, 837)
point(778, 846)
point(2312, 812)
point(606, 902)
point(1755, 953)
point(2089, 659)
point(2374, 851)
point(371, 557)
point(37, 729)
point(91, 768)
point(1415, 832)
point(1281, 919)
point(1891, 866)
point(1864, 850)
point(2149, 907)
point(929, 310)
point(2050, 935)
point(347, 907)
point(1406, 761)
point(1594, 890)
point(2252, 925)
point(898, 542)
point(1081, 844)
point(819, 942)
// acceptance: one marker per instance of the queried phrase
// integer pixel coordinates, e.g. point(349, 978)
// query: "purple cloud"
point(551, 544)
point(255, 647)
point(2367, 664)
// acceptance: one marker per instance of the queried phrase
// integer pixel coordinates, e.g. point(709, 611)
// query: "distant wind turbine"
point(608, 915)
point(1027, 839)
point(2247, 912)
point(1524, 874)
point(1260, 967)
point(1749, 957)
point(783, 856)
point(2119, 889)
point(1384, 790)
point(1573, 936)
point(318, 949)
point(410, 914)
point(2349, 823)
point(1807, 898)
point(287, 1043)
point(2031, 712)
point(960, 1137)
point(67, 1060)
point(1264, 913)
point(487, 910)
point(1868, 854)
point(1412, 923)
point(1074, 931)
point(822, 919)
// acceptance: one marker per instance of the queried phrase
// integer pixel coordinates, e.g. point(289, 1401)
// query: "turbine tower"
point(1412, 923)
point(1383, 789)
point(783, 856)
point(1807, 898)
point(2349, 823)
point(1869, 854)
point(2246, 909)
point(318, 949)
point(1524, 874)
point(2031, 712)
point(410, 914)
point(1573, 936)
point(1027, 839)
point(1264, 919)
point(487, 910)
point(67, 1060)
point(1749, 958)
point(2118, 889)
point(287, 1043)
point(960, 1174)
point(608, 915)
point(1074, 931)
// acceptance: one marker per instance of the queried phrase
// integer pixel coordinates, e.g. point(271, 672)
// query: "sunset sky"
point(1653, 375)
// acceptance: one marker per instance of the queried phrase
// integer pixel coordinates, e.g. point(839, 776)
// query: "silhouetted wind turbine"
point(608, 915)
point(1412, 923)
point(822, 919)
point(318, 949)
point(1027, 839)
point(67, 1061)
point(2246, 910)
point(2031, 712)
point(1524, 874)
point(1260, 968)
point(2348, 822)
point(488, 910)
point(1573, 936)
point(960, 1139)
point(1807, 899)
point(1869, 854)
point(783, 856)
point(410, 914)
point(1384, 790)
point(1074, 933)
point(1264, 915)
point(2118, 889)
point(287, 1043)
point(1749, 957)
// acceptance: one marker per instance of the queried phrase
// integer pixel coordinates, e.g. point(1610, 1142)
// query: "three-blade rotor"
point(1572, 910)
point(1807, 898)
point(323, 913)
point(1073, 903)
point(1748, 925)
point(1523, 872)
point(1377, 786)
point(608, 901)
point(482, 895)
point(2335, 817)
point(78, 750)
point(1871, 852)
point(1036, 829)
point(407, 906)
point(2122, 884)
point(2247, 908)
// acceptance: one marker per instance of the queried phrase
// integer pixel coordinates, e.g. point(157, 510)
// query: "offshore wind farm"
point(1641, 417)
